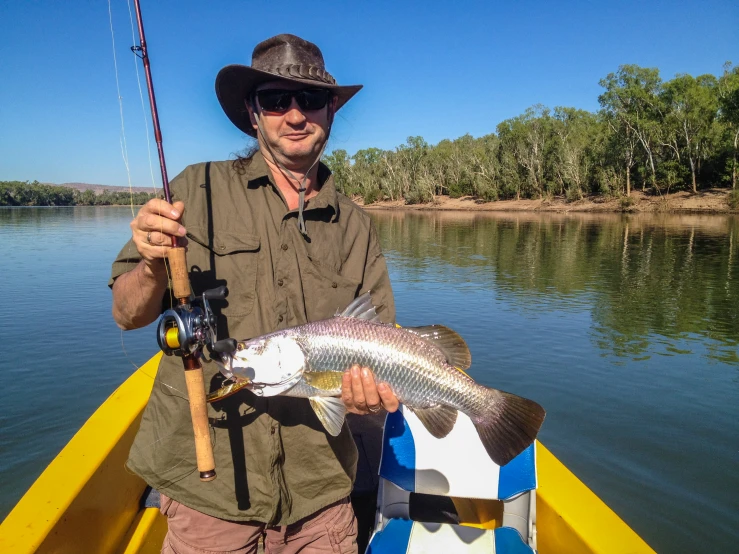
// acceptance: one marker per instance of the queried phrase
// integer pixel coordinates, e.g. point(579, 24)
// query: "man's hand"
point(155, 225)
point(361, 395)
point(137, 294)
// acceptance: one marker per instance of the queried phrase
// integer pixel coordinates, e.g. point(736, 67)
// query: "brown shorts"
point(332, 529)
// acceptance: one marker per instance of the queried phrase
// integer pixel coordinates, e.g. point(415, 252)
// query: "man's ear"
point(332, 108)
point(250, 109)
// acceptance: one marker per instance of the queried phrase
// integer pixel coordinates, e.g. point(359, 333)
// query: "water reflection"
point(651, 282)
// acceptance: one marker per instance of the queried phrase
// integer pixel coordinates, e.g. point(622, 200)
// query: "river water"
point(625, 328)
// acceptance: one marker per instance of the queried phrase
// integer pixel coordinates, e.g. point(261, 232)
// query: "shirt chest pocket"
point(326, 289)
point(231, 259)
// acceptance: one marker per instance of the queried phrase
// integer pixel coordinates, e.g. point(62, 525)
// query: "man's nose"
point(294, 115)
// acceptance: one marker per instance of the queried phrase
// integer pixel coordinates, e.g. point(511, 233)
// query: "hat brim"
point(234, 83)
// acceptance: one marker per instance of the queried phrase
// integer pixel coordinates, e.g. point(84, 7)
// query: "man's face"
point(296, 136)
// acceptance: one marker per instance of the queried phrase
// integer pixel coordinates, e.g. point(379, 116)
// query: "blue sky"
point(435, 69)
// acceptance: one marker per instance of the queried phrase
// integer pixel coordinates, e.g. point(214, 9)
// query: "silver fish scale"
point(416, 370)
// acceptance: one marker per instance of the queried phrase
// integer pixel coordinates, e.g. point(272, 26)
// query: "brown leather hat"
point(283, 57)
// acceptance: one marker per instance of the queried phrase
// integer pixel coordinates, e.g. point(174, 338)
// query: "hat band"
point(301, 71)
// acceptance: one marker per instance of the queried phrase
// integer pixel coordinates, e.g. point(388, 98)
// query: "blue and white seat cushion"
point(418, 462)
point(425, 481)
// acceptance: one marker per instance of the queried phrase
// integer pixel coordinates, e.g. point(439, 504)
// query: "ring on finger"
point(374, 409)
point(148, 237)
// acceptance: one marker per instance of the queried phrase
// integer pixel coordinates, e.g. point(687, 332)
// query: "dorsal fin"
point(361, 308)
point(448, 341)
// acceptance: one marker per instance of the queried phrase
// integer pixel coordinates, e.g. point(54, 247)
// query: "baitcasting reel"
point(188, 327)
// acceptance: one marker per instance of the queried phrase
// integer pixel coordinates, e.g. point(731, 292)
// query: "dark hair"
point(244, 157)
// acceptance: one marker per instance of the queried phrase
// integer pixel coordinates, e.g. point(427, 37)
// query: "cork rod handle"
point(199, 413)
point(193, 374)
point(178, 267)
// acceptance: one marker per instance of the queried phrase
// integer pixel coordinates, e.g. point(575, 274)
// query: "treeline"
point(661, 136)
point(26, 193)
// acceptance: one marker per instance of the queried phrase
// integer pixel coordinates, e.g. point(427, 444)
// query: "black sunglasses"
point(279, 101)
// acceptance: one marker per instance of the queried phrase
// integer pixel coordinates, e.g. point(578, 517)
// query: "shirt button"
point(284, 246)
point(334, 285)
point(272, 431)
point(279, 282)
point(279, 319)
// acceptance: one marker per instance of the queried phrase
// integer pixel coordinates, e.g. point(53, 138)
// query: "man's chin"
point(296, 151)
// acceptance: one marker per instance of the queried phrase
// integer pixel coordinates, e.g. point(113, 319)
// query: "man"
point(291, 249)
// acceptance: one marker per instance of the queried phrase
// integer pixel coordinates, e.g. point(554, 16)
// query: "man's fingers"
point(155, 238)
point(389, 400)
point(152, 222)
point(347, 396)
point(179, 207)
point(371, 396)
point(362, 395)
point(358, 389)
point(163, 208)
point(346, 390)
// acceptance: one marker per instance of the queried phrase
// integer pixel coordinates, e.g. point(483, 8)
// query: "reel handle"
point(218, 293)
point(225, 346)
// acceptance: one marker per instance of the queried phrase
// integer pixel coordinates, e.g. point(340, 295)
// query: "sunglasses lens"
point(312, 99)
point(275, 100)
point(279, 100)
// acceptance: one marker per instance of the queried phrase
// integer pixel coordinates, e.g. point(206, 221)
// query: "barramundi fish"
point(424, 366)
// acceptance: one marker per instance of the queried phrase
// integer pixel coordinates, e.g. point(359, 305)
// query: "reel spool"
point(187, 328)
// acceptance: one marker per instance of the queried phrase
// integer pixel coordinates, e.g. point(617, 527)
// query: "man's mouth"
point(296, 136)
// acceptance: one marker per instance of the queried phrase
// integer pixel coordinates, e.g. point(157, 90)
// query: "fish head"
point(272, 364)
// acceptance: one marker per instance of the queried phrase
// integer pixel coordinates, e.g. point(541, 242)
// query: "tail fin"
point(508, 425)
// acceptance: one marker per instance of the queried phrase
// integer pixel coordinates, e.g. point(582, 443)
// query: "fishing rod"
point(186, 328)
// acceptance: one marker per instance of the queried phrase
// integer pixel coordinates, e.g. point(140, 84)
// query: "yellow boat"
point(86, 501)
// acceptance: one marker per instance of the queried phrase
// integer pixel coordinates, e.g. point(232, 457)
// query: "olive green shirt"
point(275, 462)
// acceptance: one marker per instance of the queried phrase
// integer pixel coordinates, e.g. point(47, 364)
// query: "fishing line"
point(124, 146)
point(146, 133)
point(124, 153)
point(166, 388)
point(122, 138)
point(143, 106)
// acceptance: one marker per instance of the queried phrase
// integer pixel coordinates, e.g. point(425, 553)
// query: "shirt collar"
point(326, 197)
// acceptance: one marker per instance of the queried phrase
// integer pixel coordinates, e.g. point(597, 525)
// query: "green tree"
point(339, 163)
point(632, 99)
point(692, 104)
point(728, 98)
point(575, 133)
point(524, 137)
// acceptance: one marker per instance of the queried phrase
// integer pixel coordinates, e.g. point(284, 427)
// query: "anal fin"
point(439, 420)
point(330, 411)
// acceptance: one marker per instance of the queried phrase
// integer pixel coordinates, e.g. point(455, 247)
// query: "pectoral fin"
point(330, 412)
point(439, 420)
point(324, 380)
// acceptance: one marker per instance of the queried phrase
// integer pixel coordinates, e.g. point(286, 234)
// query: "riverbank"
point(708, 201)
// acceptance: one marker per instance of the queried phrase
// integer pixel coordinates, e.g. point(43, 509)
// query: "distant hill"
point(100, 189)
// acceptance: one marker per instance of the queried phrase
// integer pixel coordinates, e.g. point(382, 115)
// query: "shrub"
point(372, 195)
point(626, 203)
point(733, 199)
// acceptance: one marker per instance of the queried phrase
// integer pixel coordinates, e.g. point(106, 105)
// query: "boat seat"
point(447, 495)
